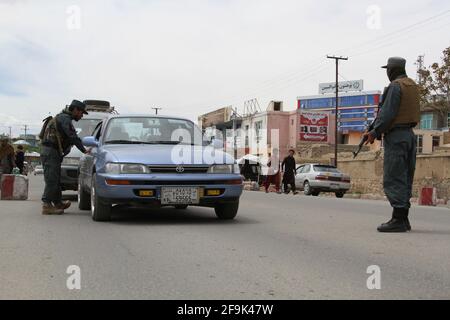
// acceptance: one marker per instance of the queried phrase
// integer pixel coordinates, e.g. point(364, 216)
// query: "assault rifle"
point(363, 140)
point(371, 125)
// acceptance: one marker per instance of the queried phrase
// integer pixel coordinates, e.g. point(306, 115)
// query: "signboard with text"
point(314, 126)
point(344, 86)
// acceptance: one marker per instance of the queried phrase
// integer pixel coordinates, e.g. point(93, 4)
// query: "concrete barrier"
point(14, 187)
point(428, 197)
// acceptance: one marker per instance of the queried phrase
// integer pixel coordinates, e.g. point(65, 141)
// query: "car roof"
point(96, 115)
point(142, 115)
point(318, 164)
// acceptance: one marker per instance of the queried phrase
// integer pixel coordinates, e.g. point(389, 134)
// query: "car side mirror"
point(90, 142)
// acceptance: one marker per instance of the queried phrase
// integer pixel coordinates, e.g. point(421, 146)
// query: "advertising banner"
point(314, 126)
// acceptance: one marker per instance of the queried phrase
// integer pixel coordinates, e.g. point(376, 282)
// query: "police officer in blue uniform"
point(58, 138)
point(399, 114)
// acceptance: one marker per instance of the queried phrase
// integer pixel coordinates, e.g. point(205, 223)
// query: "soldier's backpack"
point(51, 133)
point(44, 127)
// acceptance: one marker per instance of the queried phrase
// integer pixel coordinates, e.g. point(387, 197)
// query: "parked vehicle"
point(38, 170)
point(98, 110)
point(316, 178)
point(135, 161)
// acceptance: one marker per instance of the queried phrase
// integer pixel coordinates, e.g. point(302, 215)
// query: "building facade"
point(356, 110)
point(313, 122)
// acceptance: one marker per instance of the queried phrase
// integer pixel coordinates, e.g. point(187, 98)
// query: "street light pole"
point(234, 134)
point(156, 110)
point(336, 107)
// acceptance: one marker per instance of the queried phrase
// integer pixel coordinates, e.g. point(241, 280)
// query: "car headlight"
point(71, 161)
point(224, 168)
point(126, 168)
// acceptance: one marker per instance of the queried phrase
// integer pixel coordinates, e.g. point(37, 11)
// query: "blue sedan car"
point(156, 161)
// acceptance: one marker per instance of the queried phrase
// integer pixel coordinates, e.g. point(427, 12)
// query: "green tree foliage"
point(435, 85)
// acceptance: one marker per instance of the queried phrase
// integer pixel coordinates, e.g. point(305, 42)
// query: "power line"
point(392, 39)
point(399, 32)
point(301, 74)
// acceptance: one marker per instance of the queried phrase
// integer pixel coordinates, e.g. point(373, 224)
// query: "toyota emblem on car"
point(179, 169)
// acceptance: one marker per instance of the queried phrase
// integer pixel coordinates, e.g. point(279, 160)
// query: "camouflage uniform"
point(53, 152)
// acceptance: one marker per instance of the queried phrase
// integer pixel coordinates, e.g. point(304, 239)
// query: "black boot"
point(408, 225)
point(403, 214)
point(393, 210)
point(398, 223)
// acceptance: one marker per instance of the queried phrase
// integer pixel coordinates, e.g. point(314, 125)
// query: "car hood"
point(166, 154)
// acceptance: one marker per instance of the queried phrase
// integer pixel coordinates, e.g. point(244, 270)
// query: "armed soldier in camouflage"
point(399, 114)
point(58, 137)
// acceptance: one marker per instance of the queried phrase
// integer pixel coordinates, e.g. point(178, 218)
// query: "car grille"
point(72, 173)
point(173, 169)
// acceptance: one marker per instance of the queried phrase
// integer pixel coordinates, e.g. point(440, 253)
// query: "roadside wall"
point(367, 174)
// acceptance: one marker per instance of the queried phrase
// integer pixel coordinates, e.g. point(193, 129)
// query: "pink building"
point(259, 133)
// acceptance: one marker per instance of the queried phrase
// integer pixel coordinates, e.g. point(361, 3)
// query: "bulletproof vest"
point(409, 111)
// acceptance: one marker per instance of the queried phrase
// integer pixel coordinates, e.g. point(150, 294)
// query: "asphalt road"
point(278, 247)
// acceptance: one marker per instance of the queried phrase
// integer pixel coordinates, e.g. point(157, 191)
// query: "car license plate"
point(179, 195)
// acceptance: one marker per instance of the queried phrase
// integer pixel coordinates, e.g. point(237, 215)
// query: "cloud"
point(192, 56)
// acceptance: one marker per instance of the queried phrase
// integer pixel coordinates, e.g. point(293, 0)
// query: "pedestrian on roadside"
point(7, 163)
point(20, 158)
point(246, 170)
point(400, 113)
point(288, 170)
point(58, 137)
point(273, 172)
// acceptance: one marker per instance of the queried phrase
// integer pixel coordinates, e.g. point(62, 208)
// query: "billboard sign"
point(314, 126)
point(344, 86)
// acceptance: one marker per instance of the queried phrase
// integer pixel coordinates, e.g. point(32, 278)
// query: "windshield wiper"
point(122, 142)
point(147, 142)
point(162, 142)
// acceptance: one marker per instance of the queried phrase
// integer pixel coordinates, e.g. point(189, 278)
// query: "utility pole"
point(25, 129)
point(336, 110)
point(419, 63)
point(233, 116)
point(10, 134)
point(156, 110)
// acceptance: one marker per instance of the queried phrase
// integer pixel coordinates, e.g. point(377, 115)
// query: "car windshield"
point(85, 127)
point(326, 169)
point(152, 130)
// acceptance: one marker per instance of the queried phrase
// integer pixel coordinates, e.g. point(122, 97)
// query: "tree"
point(435, 86)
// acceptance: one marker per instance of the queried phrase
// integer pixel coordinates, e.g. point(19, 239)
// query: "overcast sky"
point(191, 57)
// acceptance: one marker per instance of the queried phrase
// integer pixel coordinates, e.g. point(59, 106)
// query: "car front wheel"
point(340, 194)
point(84, 200)
point(100, 211)
point(227, 211)
point(307, 189)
